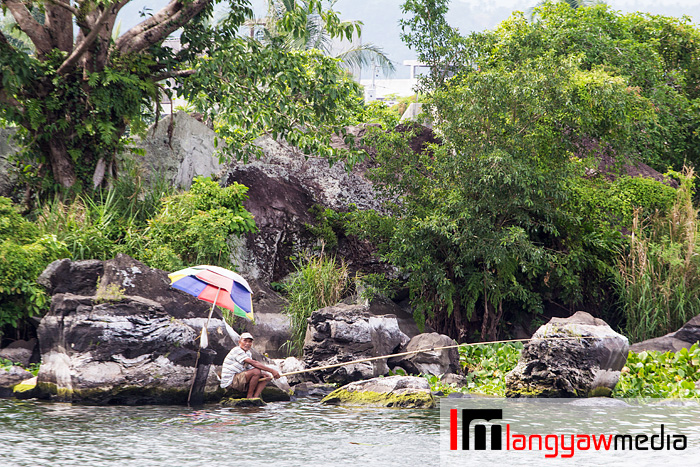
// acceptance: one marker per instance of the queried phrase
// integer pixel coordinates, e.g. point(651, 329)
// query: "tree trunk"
point(61, 162)
point(459, 324)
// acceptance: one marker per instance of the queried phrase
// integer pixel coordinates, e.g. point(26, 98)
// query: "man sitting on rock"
point(241, 373)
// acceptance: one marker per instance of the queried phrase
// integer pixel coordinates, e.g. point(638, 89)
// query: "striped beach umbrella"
point(217, 286)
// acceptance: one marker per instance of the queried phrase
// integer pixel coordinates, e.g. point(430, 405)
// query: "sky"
point(381, 17)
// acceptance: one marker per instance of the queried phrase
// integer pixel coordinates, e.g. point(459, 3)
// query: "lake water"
point(298, 433)
point(307, 433)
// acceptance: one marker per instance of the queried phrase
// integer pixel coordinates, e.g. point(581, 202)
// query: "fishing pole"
point(432, 349)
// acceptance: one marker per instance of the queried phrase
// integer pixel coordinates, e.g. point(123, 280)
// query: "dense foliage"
point(657, 280)
point(185, 229)
point(509, 214)
point(182, 229)
point(24, 253)
point(195, 227)
point(660, 374)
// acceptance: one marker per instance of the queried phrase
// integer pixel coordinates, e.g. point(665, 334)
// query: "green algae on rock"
point(243, 402)
point(394, 391)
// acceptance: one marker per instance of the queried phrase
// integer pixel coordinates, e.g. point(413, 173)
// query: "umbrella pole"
point(196, 361)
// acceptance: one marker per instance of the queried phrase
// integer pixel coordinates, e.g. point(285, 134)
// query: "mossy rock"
point(405, 399)
point(25, 390)
point(243, 402)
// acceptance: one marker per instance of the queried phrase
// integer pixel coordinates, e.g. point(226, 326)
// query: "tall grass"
point(84, 224)
point(658, 281)
point(319, 282)
point(107, 222)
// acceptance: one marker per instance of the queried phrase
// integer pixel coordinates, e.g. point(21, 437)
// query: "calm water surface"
point(281, 434)
point(306, 433)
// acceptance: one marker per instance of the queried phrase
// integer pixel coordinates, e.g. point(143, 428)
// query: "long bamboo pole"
point(369, 359)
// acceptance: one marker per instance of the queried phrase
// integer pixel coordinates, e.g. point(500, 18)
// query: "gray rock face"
point(135, 346)
point(21, 352)
point(74, 277)
point(282, 187)
point(180, 149)
point(271, 331)
point(291, 365)
point(685, 337)
point(343, 333)
point(383, 306)
point(430, 362)
point(580, 356)
point(8, 180)
point(11, 377)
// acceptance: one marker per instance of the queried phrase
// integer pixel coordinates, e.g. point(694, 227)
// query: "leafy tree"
point(77, 94)
point(300, 96)
point(657, 57)
point(488, 225)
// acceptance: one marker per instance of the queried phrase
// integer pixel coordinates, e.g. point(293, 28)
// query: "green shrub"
point(137, 194)
point(614, 203)
point(194, 227)
point(318, 283)
point(329, 224)
point(6, 364)
point(24, 253)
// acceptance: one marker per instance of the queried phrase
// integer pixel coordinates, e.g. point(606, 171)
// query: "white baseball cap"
point(247, 335)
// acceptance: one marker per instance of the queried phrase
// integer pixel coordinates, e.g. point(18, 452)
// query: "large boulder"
point(343, 333)
point(383, 306)
point(579, 356)
point(22, 352)
point(11, 377)
point(283, 186)
point(684, 338)
point(74, 277)
point(294, 365)
point(394, 391)
point(134, 340)
point(429, 361)
point(180, 148)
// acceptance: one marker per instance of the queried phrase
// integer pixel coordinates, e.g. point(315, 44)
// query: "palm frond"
point(366, 55)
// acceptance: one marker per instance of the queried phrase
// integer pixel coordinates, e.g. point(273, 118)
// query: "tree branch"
point(3, 40)
point(87, 42)
point(31, 27)
point(58, 22)
point(156, 28)
point(65, 6)
point(10, 101)
point(173, 74)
